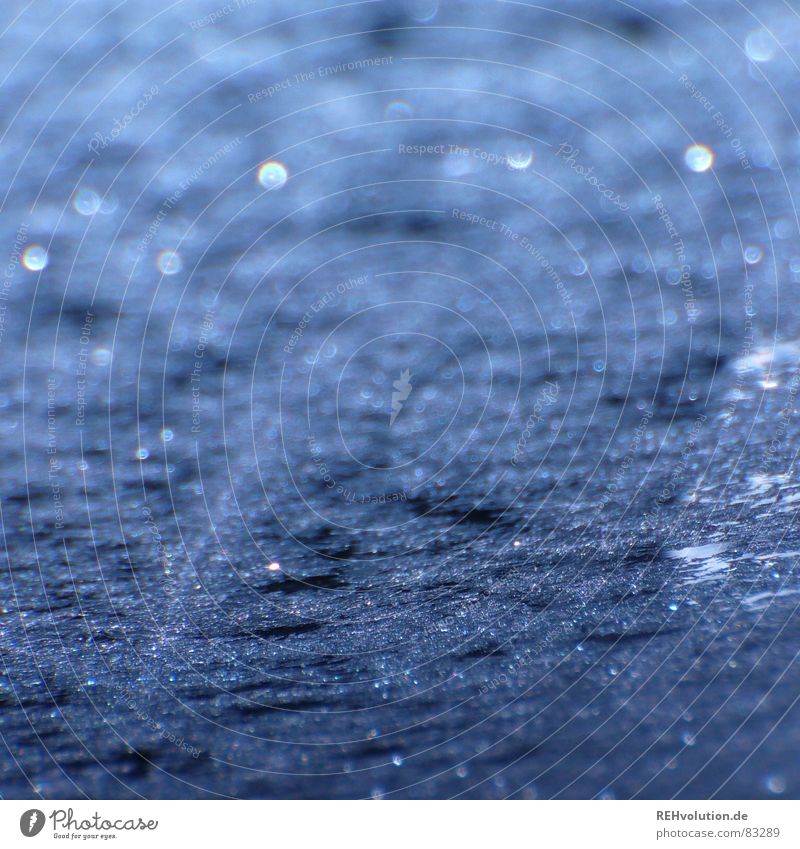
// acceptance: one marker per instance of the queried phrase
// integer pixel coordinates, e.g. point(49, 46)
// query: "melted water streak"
point(746, 494)
point(701, 563)
point(757, 580)
point(747, 458)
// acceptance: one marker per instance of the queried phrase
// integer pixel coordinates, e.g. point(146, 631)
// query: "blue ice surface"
point(502, 390)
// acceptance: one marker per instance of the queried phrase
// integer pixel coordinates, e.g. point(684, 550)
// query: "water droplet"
point(578, 267)
point(462, 772)
point(167, 435)
point(169, 262)
point(397, 760)
point(682, 54)
point(108, 205)
point(517, 543)
point(35, 258)
point(673, 276)
point(687, 738)
point(272, 175)
point(673, 607)
point(699, 157)
point(422, 10)
point(101, 356)
point(397, 110)
point(142, 454)
point(599, 366)
point(783, 228)
point(457, 165)
point(519, 157)
point(753, 254)
point(760, 46)
point(86, 202)
point(775, 784)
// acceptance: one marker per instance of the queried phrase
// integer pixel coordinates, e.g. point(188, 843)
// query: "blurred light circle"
point(398, 110)
point(86, 202)
point(699, 157)
point(169, 262)
point(108, 205)
point(753, 254)
point(519, 157)
point(422, 10)
point(101, 356)
point(760, 46)
point(35, 258)
point(776, 784)
point(272, 175)
point(578, 267)
point(673, 276)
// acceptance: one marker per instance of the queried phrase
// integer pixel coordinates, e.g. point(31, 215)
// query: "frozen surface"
point(525, 471)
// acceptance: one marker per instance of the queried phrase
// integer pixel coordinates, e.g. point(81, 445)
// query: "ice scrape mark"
point(778, 555)
point(701, 563)
point(766, 368)
point(761, 360)
point(760, 601)
point(762, 484)
point(775, 490)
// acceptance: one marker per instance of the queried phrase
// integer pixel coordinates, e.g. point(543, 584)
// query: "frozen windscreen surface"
point(399, 399)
